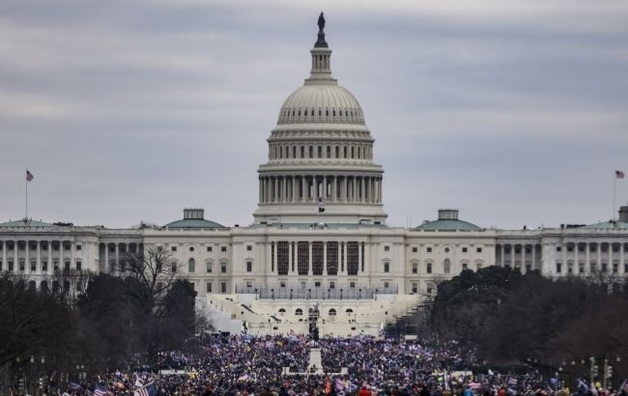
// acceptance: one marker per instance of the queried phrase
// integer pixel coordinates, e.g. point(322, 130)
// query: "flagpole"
point(614, 194)
point(26, 188)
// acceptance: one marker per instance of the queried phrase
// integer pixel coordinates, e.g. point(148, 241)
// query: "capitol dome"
point(321, 103)
point(320, 165)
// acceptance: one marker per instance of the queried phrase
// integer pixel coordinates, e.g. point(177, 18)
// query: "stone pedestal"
point(315, 365)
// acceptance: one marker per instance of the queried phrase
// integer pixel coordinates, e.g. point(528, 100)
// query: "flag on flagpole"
point(321, 205)
point(619, 174)
point(29, 175)
point(146, 390)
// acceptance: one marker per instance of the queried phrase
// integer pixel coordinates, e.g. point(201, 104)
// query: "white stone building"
point(319, 234)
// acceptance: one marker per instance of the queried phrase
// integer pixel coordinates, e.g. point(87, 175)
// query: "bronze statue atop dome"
point(321, 33)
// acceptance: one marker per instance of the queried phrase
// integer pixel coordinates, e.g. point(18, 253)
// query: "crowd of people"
point(276, 365)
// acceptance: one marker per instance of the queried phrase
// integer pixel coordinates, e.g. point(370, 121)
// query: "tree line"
point(508, 318)
point(111, 322)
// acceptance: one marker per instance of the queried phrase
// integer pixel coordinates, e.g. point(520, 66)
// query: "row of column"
point(597, 256)
point(342, 257)
point(110, 261)
point(335, 189)
point(27, 258)
point(360, 152)
point(523, 256)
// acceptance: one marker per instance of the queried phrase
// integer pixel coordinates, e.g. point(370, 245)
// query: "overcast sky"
point(514, 112)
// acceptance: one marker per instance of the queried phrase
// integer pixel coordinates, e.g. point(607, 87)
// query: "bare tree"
point(154, 268)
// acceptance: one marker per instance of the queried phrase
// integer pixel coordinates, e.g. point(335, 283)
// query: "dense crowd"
point(245, 365)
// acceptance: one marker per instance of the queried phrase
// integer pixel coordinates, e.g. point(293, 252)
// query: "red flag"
point(29, 176)
point(619, 174)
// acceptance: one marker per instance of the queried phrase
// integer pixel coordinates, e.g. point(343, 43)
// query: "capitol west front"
point(319, 234)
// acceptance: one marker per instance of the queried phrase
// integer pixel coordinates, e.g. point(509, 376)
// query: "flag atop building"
point(619, 174)
point(29, 175)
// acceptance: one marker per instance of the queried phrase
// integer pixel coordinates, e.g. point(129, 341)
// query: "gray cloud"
point(512, 111)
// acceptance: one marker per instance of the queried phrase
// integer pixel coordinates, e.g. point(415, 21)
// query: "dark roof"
point(447, 225)
point(194, 224)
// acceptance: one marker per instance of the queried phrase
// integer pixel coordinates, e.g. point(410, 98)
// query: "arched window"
point(349, 311)
point(446, 266)
point(332, 312)
point(298, 312)
point(191, 265)
point(282, 311)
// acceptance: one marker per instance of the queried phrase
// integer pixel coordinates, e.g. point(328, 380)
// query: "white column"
point(324, 258)
point(587, 268)
point(50, 263)
point(4, 255)
point(38, 259)
point(523, 259)
point(27, 262)
point(512, 255)
point(309, 258)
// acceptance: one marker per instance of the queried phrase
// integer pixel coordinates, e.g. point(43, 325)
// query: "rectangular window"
point(415, 249)
point(387, 248)
point(11, 265)
point(352, 285)
point(429, 250)
point(386, 266)
point(249, 266)
point(44, 265)
point(303, 256)
point(559, 248)
point(223, 267)
point(208, 287)
point(78, 247)
point(415, 288)
point(352, 258)
point(465, 266)
point(79, 266)
point(33, 266)
point(22, 265)
point(479, 250)
point(191, 265)
point(249, 248)
point(66, 265)
point(464, 250)
point(223, 249)
point(283, 252)
point(415, 268)
point(209, 248)
point(67, 246)
point(223, 287)
point(332, 258)
point(173, 268)
point(429, 268)
point(173, 248)
point(317, 258)
point(559, 268)
point(209, 267)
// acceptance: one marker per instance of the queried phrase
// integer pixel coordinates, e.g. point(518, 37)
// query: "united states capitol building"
point(319, 234)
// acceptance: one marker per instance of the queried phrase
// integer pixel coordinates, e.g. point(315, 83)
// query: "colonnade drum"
point(329, 189)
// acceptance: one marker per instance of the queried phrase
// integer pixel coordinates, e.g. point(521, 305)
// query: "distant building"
point(319, 234)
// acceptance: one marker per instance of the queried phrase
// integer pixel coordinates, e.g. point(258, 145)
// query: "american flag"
point(146, 390)
point(619, 174)
point(29, 175)
point(101, 390)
